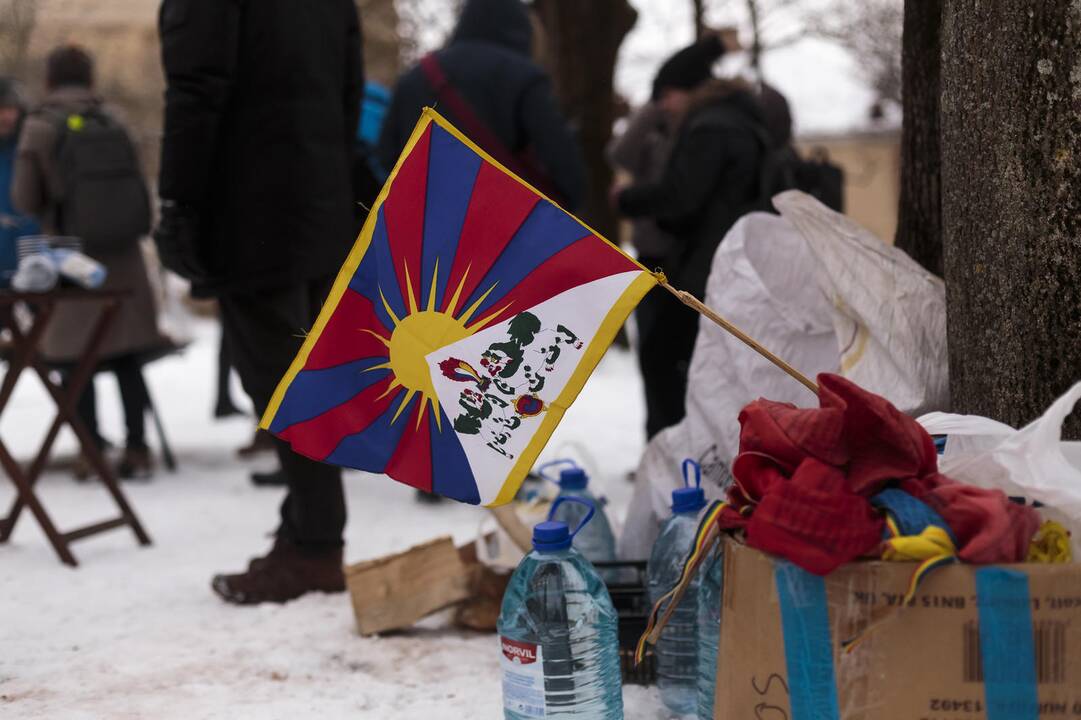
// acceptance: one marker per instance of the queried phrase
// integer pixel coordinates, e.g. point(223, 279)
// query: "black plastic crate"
point(631, 600)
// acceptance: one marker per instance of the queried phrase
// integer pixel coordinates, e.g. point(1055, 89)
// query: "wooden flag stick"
point(694, 303)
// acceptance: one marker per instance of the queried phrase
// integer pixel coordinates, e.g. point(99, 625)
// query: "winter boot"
point(135, 464)
point(274, 478)
point(284, 574)
point(261, 441)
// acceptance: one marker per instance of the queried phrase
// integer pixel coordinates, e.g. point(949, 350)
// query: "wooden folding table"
point(24, 354)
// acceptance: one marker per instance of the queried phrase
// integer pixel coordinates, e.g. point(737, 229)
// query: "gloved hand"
point(177, 239)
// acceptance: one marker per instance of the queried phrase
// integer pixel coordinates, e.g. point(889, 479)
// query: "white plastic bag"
point(889, 313)
point(761, 279)
point(1033, 462)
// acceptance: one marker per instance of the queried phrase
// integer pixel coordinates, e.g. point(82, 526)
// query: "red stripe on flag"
point(317, 438)
point(403, 211)
point(412, 460)
point(344, 338)
point(586, 260)
point(497, 208)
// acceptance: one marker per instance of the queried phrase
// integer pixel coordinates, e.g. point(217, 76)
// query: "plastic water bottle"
point(595, 540)
point(558, 632)
point(709, 633)
point(677, 649)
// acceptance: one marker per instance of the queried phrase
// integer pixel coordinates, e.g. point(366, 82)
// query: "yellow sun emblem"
point(420, 333)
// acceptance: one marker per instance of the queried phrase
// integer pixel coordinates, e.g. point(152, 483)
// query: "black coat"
point(488, 62)
point(261, 107)
point(711, 180)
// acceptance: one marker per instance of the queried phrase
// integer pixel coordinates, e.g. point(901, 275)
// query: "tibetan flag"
point(464, 323)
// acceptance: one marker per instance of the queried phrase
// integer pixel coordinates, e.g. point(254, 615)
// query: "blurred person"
point(711, 179)
point(261, 107)
point(76, 168)
point(486, 84)
point(12, 224)
point(642, 151)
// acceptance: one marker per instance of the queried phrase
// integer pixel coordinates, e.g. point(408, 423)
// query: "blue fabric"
point(12, 224)
point(912, 516)
point(314, 392)
point(1006, 644)
point(454, 478)
point(371, 448)
point(447, 202)
point(373, 108)
point(807, 646)
point(376, 274)
point(544, 233)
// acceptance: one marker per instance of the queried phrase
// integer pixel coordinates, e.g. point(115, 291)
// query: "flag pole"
point(695, 304)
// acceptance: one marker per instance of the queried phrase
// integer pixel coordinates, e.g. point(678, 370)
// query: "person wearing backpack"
point(710, 181)
point(486, 84)
point(77, 172)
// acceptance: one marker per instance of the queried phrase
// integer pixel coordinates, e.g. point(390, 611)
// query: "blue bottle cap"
point(551, 535)
point(688, 498)
point(574, 478)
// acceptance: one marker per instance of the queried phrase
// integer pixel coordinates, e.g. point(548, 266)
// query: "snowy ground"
point(136, 633)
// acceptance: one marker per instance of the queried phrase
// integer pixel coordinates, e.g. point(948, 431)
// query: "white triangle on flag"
point(498, 416)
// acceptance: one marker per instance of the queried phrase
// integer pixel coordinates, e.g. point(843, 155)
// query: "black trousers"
point(264, 331)
point(133, 397)
point(666, 333)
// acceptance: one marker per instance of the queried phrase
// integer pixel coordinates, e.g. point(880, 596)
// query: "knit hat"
point(690, 67)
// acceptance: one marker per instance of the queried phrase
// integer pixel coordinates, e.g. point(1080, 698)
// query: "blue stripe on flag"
point(452, 172)
point(544, 233)
point(1006, 645)
point(451, 474)
point(314, 392)
point(376, 273)
point(807, 646)
point(371, 448)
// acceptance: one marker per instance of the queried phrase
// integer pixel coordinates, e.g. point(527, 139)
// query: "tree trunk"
point(582, 40)
point(1011, 204)
point(698, 8)
point(919, 226)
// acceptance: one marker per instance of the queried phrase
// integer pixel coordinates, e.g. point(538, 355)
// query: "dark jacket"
point(261, 106)
point(488, 62)
point(711, 180)
point(36, 189)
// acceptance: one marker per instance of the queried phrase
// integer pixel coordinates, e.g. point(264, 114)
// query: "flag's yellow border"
point(597, 347)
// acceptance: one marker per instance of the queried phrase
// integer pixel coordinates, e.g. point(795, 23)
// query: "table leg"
point(65, 399)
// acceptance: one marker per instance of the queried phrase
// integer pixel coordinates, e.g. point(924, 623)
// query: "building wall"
point(872, 164)
point(123, 37)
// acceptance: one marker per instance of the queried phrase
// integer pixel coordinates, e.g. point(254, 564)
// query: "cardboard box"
point(925, 661)
point(394, 592)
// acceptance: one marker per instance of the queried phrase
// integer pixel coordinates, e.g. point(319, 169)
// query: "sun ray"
point(377, 336)
point(480, 324)
point(405, 401)
point(386, 306)
point(436, 414)
point(380, 366)
point(409, 289)
point(457, 291)
point(435, 284)
point(394, 385)
point(473, 308)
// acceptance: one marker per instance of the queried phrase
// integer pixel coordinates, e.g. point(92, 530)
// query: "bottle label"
point(523, 678)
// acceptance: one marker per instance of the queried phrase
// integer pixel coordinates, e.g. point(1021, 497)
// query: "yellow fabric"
point(931, 543)
point(1051, 544)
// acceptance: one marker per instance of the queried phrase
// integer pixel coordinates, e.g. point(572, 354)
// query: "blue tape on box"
point(807, 646)
point(1006, 645)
